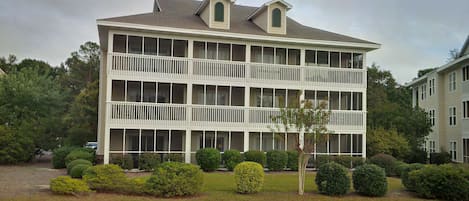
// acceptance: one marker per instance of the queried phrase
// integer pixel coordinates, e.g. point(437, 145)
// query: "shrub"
point(445, 182)
point(59, 154)
point(78, 154)
point(138, 186)
point(255, 156)
point(292, 163)
point(332, 179)
point(345, 161)
point(67, 186)
point(126, 162)
point(357, 161)
point(175, 179)
point(78, 170)
point(231, 158)
point(399, 167)
point(174, 158)
point(209, 159)
point(249, 177)
point(440, 158)
point(276, 160)
point(321, 160)
point(417, 156)
point(106, 178)
point(406, 169)
point(77, 162)
point(385, 161)
point(148, 161)
point(370, 180)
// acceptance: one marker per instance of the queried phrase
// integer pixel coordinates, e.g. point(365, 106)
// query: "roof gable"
point(261, 9)
point(204, 4)
point(465, 48)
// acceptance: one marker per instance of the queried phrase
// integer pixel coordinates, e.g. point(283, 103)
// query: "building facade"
point(199, 74)
point(444, 95)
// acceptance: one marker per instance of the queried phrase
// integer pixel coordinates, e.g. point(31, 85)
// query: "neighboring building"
point(195, 74)
point(444, 94)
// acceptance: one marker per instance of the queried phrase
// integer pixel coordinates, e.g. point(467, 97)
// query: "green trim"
point(219, 12)
point(276, 18)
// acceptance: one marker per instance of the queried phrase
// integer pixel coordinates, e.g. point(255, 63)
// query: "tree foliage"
point(386, 141)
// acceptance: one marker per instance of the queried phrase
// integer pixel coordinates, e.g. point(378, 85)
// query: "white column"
point(246, 141)
point(190, 51)
point(364, 108)
point(188, 146)
point(108, 98)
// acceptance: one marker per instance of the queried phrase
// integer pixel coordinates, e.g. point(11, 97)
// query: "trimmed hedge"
point(406, 169)
point(65, 185)
point(148, 161)
point(175, 179)
point(79, 154)
point(59, 154)
point(292, 162)
point(249, 177)
point(231, 158)
point(106, 178)
point(370, 180)
point(126, 162)
point(440, 158)
point(332, 179)
point(276, 160)
point(446, 182)
point(255, 156)
point(385, 161)
point(209, 159)
point(78, 170)
point(77, 162)
point(174, 158)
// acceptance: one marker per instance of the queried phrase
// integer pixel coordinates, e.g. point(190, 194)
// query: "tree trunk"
point(302, 163)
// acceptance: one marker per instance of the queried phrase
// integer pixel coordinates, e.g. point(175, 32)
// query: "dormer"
point(215, 13)
point(272, 17)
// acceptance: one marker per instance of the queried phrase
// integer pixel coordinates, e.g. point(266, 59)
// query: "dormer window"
point(219, 12)
point(276, 18)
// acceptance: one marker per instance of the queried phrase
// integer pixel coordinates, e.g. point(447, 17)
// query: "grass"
point(220, 187)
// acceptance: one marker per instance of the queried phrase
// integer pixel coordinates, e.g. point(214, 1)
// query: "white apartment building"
point(198, 74)
point(444, 94)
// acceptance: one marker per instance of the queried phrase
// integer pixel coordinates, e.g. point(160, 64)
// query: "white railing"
point(175, 67)
point(213, 68)
point(334, 75)
point(275, 72)
point(262, 115)
point(348, 118)
point(147, 111)
point(218, 114)
point(149, 64)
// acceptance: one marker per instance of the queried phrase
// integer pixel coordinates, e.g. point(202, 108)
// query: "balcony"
point(132, 65)
point(136, 114)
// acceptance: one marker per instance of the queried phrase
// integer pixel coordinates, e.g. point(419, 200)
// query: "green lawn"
point(220, 187)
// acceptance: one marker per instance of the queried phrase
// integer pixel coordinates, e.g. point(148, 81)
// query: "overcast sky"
point(414, 34)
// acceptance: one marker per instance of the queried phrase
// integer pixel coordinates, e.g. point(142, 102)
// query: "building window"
point(452, 81)
point(276, 18)
point(465, 73)
point(424, 92)
point(465, 106)
point(120, 43)
point(135, 44)
point(452, 150)
point(452, 116)
point(431, 113)
point(217, 95)
point(466, 150)
point(432, 145)
point(310, 57)
point(219, 51)
point(323, 58)
point(271, 55)
point(358, 60)
point(431, 86)
point(219, 12)
point(345, 60)
point(335, 59)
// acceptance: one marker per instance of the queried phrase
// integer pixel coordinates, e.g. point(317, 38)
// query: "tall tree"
point(83, 66)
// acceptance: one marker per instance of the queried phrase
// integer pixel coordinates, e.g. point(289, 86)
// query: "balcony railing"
point(134, 113)
point(174, 67)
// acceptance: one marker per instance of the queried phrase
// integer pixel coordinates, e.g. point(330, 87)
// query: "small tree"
point(310, 122)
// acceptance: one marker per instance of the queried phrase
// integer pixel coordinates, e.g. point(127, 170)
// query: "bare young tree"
point(310, 123)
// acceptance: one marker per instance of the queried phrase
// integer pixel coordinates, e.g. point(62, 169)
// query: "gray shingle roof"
point(180, 14)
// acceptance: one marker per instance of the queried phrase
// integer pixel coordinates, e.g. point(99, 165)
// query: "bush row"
point(346, 161)
point(146, 161)
point(66, 154)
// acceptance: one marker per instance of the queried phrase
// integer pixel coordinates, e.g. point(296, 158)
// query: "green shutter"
point(276, 18)
point(219, 12)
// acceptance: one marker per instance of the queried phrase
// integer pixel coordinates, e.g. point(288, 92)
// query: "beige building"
point(444, 94)
point(199, 74)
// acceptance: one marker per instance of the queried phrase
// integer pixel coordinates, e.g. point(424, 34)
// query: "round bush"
point(231, 158)
point(357, 161)
point(276, 160)
point(78, 170)
point(332, 179)
point(175, 179)
point(148, 161)
point(321, 160)
point(79, 154)
point(406, 169)
point(255, 156)
point(107, 178)
point(209, 159)
point(58, 156)
point(65, 185)
point(385, 161)
point(249, 177)
point(445, 182)
point(440, 158)
point(400, 166)
point(77, 162)
point(292, 163)
point(370, 180)
point(345, 161)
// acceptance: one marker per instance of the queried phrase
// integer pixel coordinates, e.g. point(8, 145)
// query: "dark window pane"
point(335, 59)
point(210, 95)
point(237, 96)
point(323, 58)
point(357, 60)
point(346, 60)
point(133, 91)
point(256, 54)
point(179, 93)
point(135, 44)
point(149, 92)
point(223, 95)
point(219, 12)
point(198, 94)
point(268, 55)
point(151, 46)
point(148, 140)
point(239, 52)
point(120, 43)
point(310, 57)
point(224, 51)
point(211, 51)
point(180, 48)
point(281, 56)
point(276, 18)
point(164, 47)
point(199, 50)
point(163, 92)
point(293, 57)
point(118, 90)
